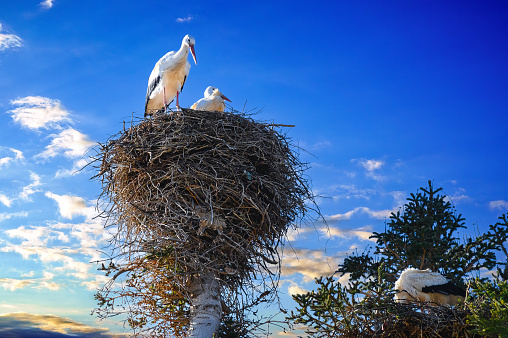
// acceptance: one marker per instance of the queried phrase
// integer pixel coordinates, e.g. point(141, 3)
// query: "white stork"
point(213, 100)
point(168, 77)
point(427, 286)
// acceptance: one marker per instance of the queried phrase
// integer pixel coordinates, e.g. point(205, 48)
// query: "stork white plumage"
point(427, 286)
point(213, 100)
point(168, 77)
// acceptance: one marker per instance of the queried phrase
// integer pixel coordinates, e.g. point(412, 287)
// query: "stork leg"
point(164, 99)
point(177, 103)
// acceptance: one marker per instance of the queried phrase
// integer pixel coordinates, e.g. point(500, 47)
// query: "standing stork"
point(168, 77)
point(213, 100)
point(427, 286)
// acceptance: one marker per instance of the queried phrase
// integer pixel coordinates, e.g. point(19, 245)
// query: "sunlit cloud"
point(9, 41)
point(69, 206)
point(186, 19)
point(13, 284)
point(36, 235)
point(36, 112)
point(69, 143)
point(23, 324)
point(309, 263)
point(294, 288)
point(499, 204)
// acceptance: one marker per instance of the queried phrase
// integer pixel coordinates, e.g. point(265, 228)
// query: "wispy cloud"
point(66, 248)
point(13, 284)
point(377, 214)
point(69, 143)
point(36, 112)
point(499, 204)
point(370, 167)
point(31, 188)
point(9, 41)
point(5, 216)
point(362, 233)
point(46, 4)
point(6, 160)
point(189, 18)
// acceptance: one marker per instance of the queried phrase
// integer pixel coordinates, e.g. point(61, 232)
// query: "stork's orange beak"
point(224, 97)
point(193, 53)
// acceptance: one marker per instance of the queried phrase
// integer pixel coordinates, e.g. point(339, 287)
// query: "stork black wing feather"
point(183, 82)
point(151, 88)
point(445, 289)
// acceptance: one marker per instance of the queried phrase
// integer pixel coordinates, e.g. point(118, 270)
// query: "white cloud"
point(499, 204)
point(29, 274)
point(69, 206)
point(12, 284)
point(6, 216)
point(294, 288)
point(5, 200)
point(37, 235)
point(31, 188)
point(35, 112)
point(187, 19)
point(46, 4)
point(377, 214)
point(362, 233)
point(77, 166)
point(18, 155)
point(370, 167)
point(9, 41)
point(70, 142)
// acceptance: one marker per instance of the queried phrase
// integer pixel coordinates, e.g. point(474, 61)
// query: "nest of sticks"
point(215, 191)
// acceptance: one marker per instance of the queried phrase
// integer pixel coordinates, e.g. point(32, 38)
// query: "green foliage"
point(423, 234)
point(489, 308)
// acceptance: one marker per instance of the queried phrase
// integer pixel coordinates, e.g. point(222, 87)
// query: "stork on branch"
point(427, 286)
point(168, 77)
point(213, 100)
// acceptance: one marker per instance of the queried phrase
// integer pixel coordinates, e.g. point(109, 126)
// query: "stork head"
point(216, 92)
point(189, 41)
point(209, 91)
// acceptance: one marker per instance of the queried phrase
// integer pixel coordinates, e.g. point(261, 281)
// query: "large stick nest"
point(217, 190)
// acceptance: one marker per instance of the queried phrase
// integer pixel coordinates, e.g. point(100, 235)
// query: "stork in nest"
point(427, 286)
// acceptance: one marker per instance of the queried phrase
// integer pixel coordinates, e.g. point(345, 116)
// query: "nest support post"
point(206, 309)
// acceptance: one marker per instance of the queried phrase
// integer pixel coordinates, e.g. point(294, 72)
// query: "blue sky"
point(384, 95)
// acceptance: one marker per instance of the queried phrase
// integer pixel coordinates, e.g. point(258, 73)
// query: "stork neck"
point(183, 51)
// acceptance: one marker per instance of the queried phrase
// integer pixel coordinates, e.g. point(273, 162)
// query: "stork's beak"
point(193, 53)
point(224, 97)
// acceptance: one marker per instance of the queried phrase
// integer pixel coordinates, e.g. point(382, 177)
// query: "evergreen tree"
point(423, 234)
